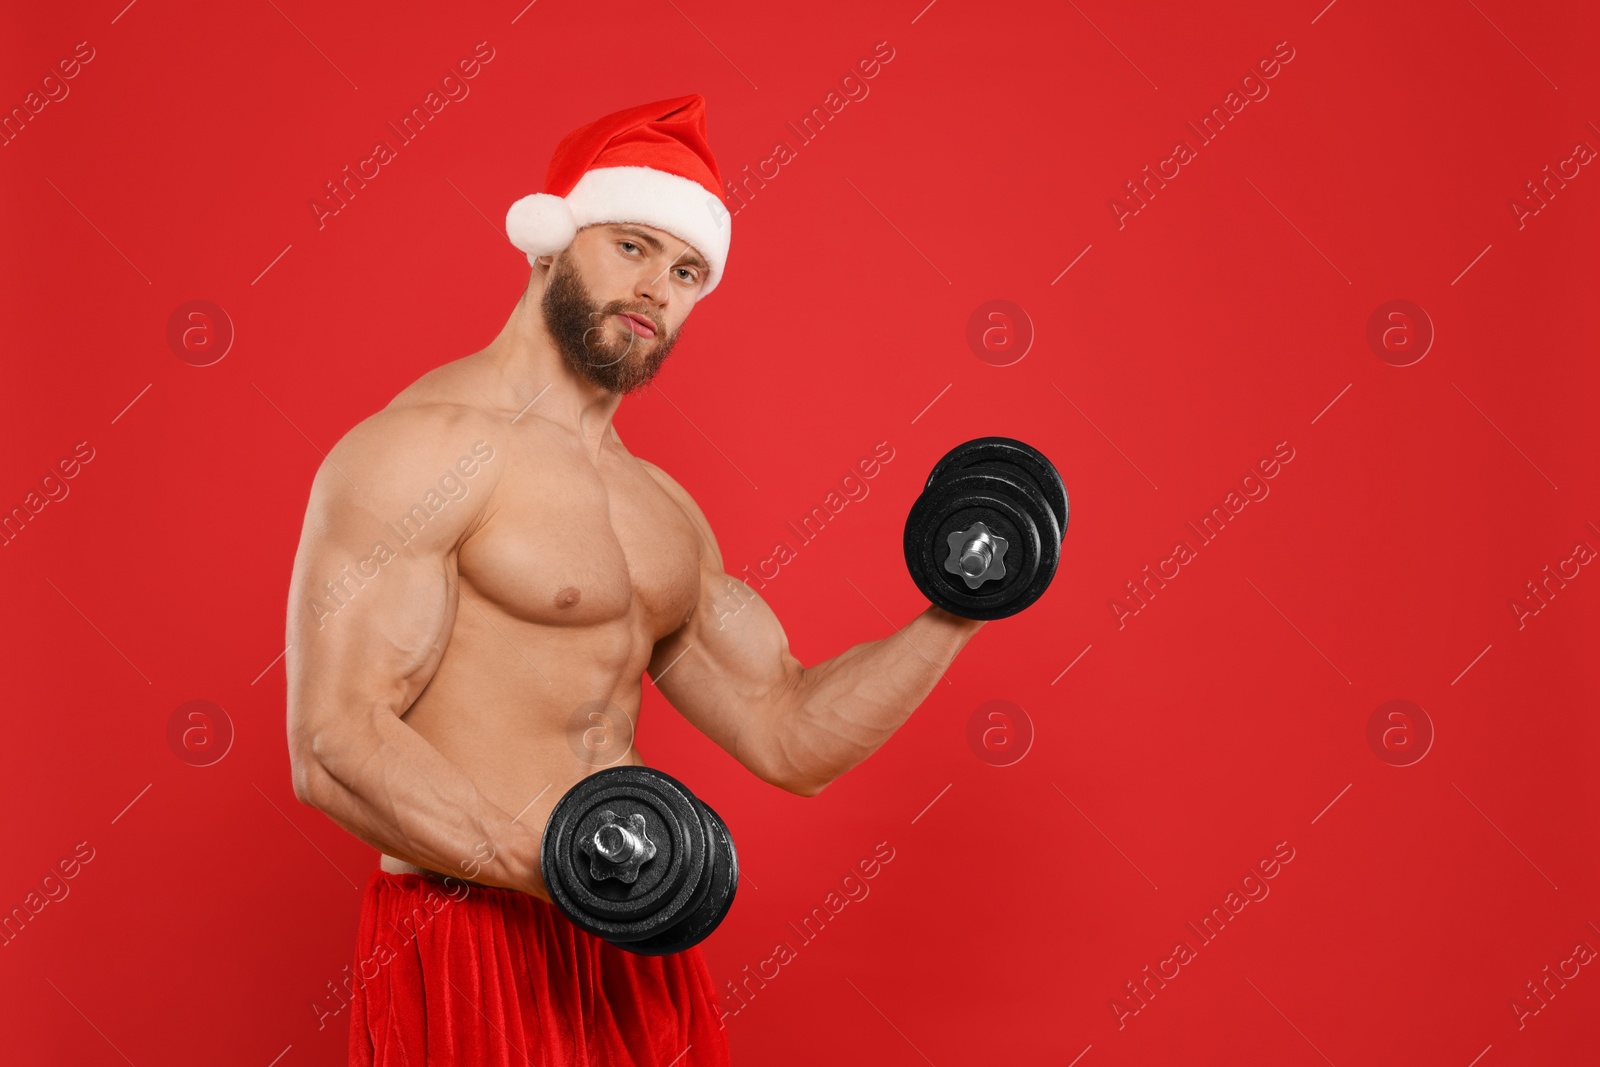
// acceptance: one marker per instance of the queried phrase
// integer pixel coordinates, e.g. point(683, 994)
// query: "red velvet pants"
point(451, 973)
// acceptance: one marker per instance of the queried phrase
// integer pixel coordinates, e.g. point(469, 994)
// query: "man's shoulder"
point(437, 408)
point(682, 497)
point(417, 431)
point(670, 486)
point(411, 444)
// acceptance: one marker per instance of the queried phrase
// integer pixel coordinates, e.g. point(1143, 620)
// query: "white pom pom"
point(540, 224)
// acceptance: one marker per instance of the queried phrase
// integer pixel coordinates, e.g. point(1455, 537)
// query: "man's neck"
point(535, 380)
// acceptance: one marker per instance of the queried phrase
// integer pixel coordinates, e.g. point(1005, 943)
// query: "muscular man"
point(484, 576)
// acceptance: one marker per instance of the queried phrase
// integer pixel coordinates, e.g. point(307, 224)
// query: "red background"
point(1223, 318)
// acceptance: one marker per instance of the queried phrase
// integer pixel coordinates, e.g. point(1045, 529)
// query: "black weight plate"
point(673, 937)
point(955, 503)
point(667, 886)
point(705, 917)
point(723, 882)
point(611, 898)
point(1009, 452)
point(663, 802)
point(996, 498)
point(609, 907)
point(1043, 518)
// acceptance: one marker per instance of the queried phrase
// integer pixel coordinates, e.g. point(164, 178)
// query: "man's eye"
point(629, 244)
point(689, 274)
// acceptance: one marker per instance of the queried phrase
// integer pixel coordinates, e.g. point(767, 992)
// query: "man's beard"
point(583, 331)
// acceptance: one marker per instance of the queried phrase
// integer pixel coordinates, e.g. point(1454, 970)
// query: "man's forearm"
point(399, 794)
point(846, 707)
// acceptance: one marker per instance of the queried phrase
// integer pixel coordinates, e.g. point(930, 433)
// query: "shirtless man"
point(486, 572)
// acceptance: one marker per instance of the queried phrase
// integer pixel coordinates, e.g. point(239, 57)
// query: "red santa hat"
point(648, 164)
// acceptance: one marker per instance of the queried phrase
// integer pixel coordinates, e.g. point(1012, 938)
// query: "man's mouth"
point(638, 324)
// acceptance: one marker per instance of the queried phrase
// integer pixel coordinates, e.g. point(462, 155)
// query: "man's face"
point(612, 271)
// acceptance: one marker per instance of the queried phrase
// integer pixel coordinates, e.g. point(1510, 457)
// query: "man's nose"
point(652, 285)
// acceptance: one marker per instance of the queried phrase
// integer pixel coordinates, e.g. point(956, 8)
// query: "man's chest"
point(576, 547)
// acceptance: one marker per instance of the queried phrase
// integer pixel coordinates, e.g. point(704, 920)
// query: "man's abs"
point(539, 684)
point(527, 711)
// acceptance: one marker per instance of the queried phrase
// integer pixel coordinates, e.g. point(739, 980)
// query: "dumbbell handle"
point(976, 554)
point(618, 850)
point(617, 844)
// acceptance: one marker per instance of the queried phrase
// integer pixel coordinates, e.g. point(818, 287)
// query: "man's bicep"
point(730, 673)
point(373, 591)
point(365, 615)
point(728, 670)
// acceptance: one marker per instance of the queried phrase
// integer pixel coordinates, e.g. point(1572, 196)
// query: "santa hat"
point(649, 164)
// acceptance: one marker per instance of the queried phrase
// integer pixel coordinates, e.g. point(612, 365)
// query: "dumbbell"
point(632, 856)
point(984, 537)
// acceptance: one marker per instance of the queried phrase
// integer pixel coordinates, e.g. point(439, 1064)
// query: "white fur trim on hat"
point(542, 224)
